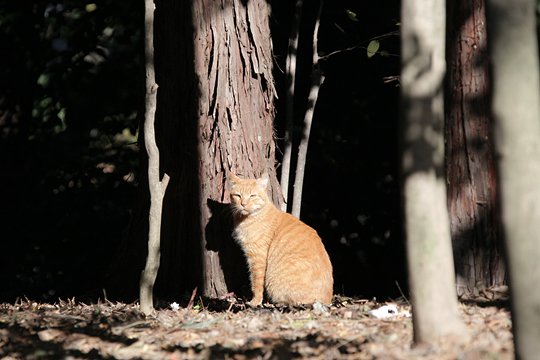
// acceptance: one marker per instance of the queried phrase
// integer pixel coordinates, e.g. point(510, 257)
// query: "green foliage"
point(372, 48)
point(352, 15)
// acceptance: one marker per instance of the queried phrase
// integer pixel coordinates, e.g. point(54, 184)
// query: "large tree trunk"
point(470, 161)
point(214, 114)
point(516, 90)
point(233, 64)
point(429, 251)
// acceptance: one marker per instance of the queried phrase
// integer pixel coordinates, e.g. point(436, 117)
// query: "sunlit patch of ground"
point(227, 329)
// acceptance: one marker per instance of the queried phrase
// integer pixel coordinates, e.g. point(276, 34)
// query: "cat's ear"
point(263, 180)
point(232, 179)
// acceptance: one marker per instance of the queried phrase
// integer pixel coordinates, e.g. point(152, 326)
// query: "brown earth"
point(227, 329)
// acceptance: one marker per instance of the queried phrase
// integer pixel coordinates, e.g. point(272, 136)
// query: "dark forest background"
point(72, 97)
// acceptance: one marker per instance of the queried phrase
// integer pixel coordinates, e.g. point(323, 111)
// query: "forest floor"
point(227, 329)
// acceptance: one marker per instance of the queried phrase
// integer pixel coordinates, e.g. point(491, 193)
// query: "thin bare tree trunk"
point(516, 90)
point(470, 156)
point(291, 80)
point(429, 250)
point(157, 187)
point(317, 79)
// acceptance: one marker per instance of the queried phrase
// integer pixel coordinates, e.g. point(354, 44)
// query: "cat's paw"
point(254, 303)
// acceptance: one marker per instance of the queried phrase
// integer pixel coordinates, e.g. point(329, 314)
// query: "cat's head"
point(248, 196)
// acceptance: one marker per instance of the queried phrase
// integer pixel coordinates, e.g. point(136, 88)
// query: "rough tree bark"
point(233, 64)
point(516, 90)
point(470, 161)
point(429, 251)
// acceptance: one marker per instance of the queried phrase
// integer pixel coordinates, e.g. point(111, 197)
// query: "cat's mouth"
point(241, 211)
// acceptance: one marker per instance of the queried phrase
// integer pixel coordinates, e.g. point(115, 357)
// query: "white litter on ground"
point(389, 311)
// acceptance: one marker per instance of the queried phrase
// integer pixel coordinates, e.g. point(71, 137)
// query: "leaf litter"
point(228, 329)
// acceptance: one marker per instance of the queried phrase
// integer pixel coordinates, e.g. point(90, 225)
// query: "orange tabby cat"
point(285, 256)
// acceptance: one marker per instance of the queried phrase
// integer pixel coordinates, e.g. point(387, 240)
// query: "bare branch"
point(291, 79)
point(317, 79)
point(361, 46)
point(157, 187)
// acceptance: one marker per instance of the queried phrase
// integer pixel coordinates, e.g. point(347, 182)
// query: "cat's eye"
point(235, 195)
point(253, 195)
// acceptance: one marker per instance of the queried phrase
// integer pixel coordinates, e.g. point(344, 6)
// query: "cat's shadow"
point(219, 238)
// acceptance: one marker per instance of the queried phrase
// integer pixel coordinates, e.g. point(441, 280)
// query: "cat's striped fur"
point(285, 256)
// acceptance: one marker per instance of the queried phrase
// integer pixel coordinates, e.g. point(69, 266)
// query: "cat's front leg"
point(257, 273)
